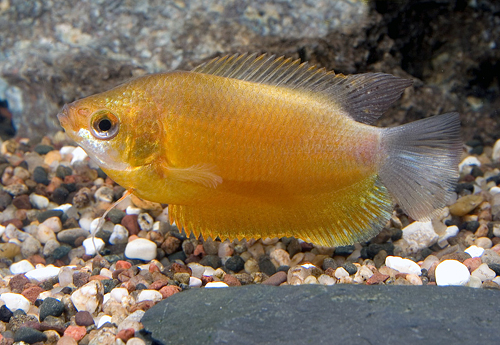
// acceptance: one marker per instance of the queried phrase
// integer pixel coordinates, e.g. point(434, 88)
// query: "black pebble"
point(426, 252)
point(464, 186)
point(208, 260)
point(266, 265)
point(283, 268)
point(109, 284)
point(51, 306)
point(5, 200)
point(67, 290)
point(329, 263)
point(140, 286)
point(60, 195)
point(40, 176)
point(43, 216)
point(472, 225)
point(29, 335)
point(350, 268)
point(5, 314)
point(63, 171)
point(43, 149)
point(344, 250)
point(476, 171)
point(495, 179)
point(374, 248)
point(61, 252)
point(235, 263)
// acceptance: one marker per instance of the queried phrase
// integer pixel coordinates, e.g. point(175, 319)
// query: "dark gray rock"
point(235, 263)
point(51, 306)
point(29, 335)
point(70, 235)
point(313, 314)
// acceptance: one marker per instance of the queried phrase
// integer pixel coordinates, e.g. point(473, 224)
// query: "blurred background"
point(53, 52)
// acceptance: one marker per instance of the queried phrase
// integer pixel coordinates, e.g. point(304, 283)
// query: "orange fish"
point(256, 146)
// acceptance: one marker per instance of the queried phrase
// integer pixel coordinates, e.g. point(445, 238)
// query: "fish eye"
point(104, 124)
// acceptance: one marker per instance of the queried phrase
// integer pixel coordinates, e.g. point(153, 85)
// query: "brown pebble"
point(482, 231)
point(157, 285)
point(81, 278)
point(18, 282)
point(377, 278)
point(206, 279)
point(16, 222)
point(130, 222)
point(171, 245)
point(144, 305)
point(84, 318)
point(22, 202)
point(32, 293)
point(488, 284)
point(231, 280)
point(36, 259)
point(125, 334)
point(169, 290)
point(330, 271)
point(459, 256)
point(66, 340)
point(178, 268)
point(199, 250)
point(472, 263)
point(122, 264)
point(276, 279)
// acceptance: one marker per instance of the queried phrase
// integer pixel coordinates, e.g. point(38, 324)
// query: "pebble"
point(325, 279)
point(465, 204)
point(29, 335)
point(118, 294)
point(119, 235)
point(474, 251)
point(141, 249)
point(79, 155)
point(419, 235)
point(197, 270)
point(496, 151)
point(41, 274)
point(51, 306)
point(15, 301)
point(145, 221)
point(483, 272)
point(210, 285)
point(402, 265)
point(350, 268)
point(452, 272)
point(20, 267)
point(40, 176)
point(87, 297)
point(39, 201)
point(195, 282)
point(135, 341)
point(84, 318)
point(90, 249)
point(484, 242)
point(103, 320)
point(490, 257)
point(414, 279)
point(340, 272)
point(281, 256)
point(276, 279)
point(474, 282)
point(235, 263)
point(45, 234)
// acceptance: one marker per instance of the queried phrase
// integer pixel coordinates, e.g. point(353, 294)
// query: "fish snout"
point(63, 117)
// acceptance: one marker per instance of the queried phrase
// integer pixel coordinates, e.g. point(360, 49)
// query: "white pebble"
point(474, 282)
point(196, 269)
point(79, 155)
point(496, 230)
point(135, 341)
point(21, 267)
point(466, 164)
point(494, 190)
point(496, 280)
point(53, 223)
point(39, 201)
point(45, 234)
point(41, 274)
point(149, 295)
point(325, 279)
point(145, 221)
point(85, 223)
point(341, 272)
point(15, 301)
point(483, 272)
point(216, 285)
point(119, 234)
point(106, 298)
point(452, 272)
point(86, 298)
point(64, 207)
point(132, 210)
point(118, 294)
point(66, 276)
point(419, 235)
point(104, 319)
point(67, 150)
point(496, 151)
point(403, 265)
point(451, 231)
point(194, 282)
point(89, 245)
point(141, 248)
point(474, 251)
point(209, 271)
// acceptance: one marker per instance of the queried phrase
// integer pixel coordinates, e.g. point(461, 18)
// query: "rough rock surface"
point(312, 314)
point(52, 54)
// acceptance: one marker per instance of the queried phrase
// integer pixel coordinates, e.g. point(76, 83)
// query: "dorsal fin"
point(365, 97)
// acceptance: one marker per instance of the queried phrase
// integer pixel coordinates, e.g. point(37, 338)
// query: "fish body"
point(252, 146)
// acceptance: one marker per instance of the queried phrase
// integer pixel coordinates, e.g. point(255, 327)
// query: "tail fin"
point(421, 168)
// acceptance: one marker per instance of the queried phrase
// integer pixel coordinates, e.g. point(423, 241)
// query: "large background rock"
point(52, 52)
point(314, 314)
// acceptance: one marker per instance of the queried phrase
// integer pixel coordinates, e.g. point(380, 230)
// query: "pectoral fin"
point(201, 174)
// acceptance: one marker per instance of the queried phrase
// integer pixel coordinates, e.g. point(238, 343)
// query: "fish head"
point(116, 128)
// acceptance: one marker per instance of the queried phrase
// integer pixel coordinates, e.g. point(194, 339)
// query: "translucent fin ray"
point(421, 168)
point(365, 97)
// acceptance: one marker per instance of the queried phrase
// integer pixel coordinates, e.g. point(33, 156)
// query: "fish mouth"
point(64, 119)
